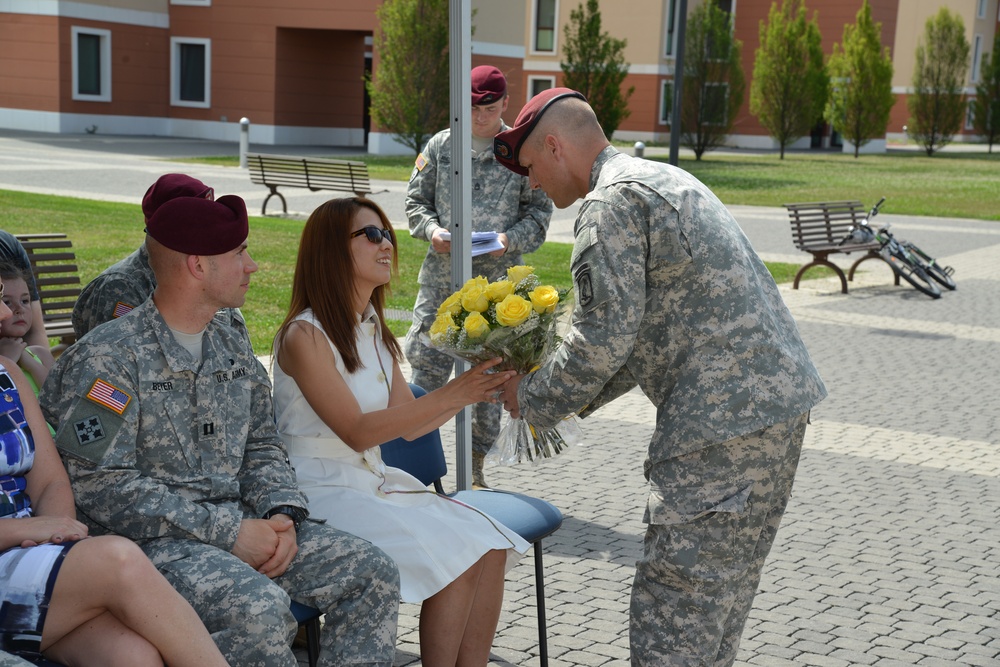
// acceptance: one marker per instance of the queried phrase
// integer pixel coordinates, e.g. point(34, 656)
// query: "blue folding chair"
point(531, 518)
point(309, 617)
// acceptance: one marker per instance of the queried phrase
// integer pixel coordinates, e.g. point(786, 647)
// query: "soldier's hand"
point(287, 547)
point(438, 243)
point(505, 242)
point(257, 542)
point(509, 396)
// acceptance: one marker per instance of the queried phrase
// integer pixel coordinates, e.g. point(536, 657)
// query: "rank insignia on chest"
point(121, 309)
point(108, 395)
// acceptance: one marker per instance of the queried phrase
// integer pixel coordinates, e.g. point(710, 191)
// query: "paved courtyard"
point(889, 554)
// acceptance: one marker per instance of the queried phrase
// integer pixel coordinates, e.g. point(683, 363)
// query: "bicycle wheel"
point(941, 274)
point(913, 273)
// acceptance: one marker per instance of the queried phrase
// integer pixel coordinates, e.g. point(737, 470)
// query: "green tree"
point(595, 65)
point(713, 79)
point(410, 91)
point(790, 84)
point(986, 106)
point(937, 104)
point(860, 72)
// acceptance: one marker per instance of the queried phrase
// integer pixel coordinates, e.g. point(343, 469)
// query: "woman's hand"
point(37, 530)
point(12, 348)
point(479, 383)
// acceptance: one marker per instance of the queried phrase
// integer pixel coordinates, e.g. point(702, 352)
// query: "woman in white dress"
point(339, 393)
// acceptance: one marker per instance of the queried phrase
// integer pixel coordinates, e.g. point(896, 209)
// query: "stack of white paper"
point(482, 242)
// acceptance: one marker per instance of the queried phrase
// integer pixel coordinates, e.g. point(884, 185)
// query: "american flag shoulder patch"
point(121, 309)
point(421, 162)
point(109, 396)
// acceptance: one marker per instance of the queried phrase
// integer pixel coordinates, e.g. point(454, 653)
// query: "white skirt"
point(432, 538)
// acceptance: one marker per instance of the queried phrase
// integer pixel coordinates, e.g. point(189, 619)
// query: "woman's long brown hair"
point(324, 278)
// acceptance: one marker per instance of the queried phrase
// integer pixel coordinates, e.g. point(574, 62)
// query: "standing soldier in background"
point(502, 202)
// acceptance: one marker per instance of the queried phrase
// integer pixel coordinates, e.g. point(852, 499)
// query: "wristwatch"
point(296, 514)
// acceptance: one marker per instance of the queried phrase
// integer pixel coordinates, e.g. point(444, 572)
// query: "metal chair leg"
point(543, 645)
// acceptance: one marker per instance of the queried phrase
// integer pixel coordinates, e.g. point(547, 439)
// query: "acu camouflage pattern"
point(128, 282)
point(8, 660)
point(502, 201)
point(192, 453)
point(671, 297)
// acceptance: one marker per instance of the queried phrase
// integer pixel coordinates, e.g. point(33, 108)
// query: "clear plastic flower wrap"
point(516, 318)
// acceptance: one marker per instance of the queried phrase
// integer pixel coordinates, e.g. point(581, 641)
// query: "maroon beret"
point(489, 85)
point(170, 186)
point(507, 145)
point(196, 226)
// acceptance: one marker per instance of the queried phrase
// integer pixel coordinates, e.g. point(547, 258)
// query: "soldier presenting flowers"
point(671, 298)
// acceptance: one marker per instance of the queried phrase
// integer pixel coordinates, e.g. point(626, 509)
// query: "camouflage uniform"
point(120, 288)
point(502, 201)
point(670, 297)
point(116, 291)
point(175, 455)
point(8, 660)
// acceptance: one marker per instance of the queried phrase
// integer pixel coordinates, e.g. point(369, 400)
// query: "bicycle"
point(907, 260)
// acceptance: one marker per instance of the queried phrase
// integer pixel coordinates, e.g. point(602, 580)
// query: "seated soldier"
point(165, 426)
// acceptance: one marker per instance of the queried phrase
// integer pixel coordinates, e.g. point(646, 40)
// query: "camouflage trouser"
point(431, 369)
point(8, 660)
point(354, 583)
point(713, 515)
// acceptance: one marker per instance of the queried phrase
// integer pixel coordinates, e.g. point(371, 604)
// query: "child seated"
point(16, 296)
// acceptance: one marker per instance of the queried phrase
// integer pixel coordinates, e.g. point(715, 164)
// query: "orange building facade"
point(296, 68)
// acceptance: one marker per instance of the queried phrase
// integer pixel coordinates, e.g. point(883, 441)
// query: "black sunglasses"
point(374, 234)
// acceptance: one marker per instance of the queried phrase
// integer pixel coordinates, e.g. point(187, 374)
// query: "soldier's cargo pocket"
point(683, 505)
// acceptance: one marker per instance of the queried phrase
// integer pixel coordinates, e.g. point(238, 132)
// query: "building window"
point(199, 3)
point(91, 64)
point(190, 72)
point(977, 57)
point(715, 103)
point(537, 84)
point(546, 12)
point(666, 100)
point(981, 10)
point(670, 45)
point(970, 114)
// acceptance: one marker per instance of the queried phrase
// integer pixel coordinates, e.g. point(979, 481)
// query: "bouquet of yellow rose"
point(514, 318)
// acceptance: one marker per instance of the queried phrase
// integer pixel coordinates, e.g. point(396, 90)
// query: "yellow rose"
point(474, 298)
point(516, 274)
point(443, 325)
point(453, 304)
point(476, 326)
point(513, 310)
point(544, 299)
point(498, 290)
point(478, 281)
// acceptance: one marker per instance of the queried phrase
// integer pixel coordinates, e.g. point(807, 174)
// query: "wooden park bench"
point(57, 276)
point(819, 227)
point(314, 173)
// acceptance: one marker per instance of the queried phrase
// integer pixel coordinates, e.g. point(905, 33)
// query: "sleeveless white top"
point(432, 538)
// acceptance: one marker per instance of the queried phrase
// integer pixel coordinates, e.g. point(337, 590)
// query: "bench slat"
point(53, 263)
point(312, 173)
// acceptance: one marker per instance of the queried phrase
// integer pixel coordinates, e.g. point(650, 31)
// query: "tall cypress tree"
point(410, 92)
point(713, 79)
point(986, 107)
point(790, 84)
point(860, 82)
point(937, 104)
point(595, 65)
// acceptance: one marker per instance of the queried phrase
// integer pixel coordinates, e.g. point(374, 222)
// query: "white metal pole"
point(460, 54)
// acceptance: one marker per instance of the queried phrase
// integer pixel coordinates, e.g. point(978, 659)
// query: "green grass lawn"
point(950, 184)
point(104, 232)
